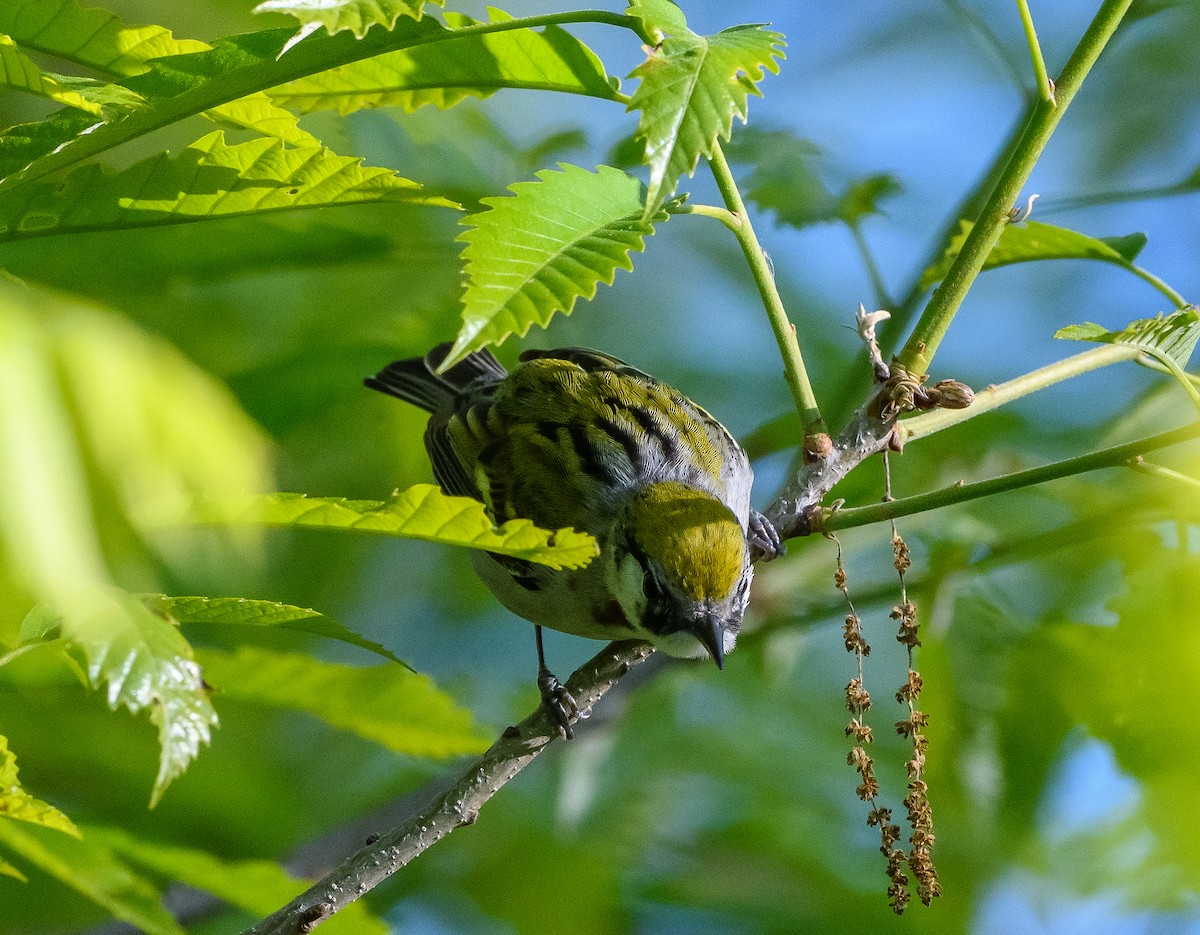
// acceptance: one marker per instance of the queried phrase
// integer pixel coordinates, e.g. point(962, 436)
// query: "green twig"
point(1045, 88)
point(1157, 470)
point(764, 278)
point(995, 396)
point(946, 300)
point(1160, 285)
point(728, 218)
point(834, 519)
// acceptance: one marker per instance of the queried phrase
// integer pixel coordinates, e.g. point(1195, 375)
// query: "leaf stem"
point(764, 278)
point(726, 217)
point(948, 297)
point(1045, 89)
point(835, 519)
point(1160, 285)
point(1157, 470)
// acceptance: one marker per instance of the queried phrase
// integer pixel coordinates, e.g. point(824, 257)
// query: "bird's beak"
point(710, 631)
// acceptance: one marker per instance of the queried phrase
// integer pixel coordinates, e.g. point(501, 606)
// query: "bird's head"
point(682, 570)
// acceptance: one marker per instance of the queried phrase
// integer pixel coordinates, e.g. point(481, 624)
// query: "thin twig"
point(456, 806)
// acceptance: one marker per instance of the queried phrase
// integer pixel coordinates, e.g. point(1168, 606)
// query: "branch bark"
point(456, 806)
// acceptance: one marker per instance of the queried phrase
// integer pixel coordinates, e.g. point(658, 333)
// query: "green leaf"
point(783, 179)
point(535, 253)
point(91, 37)
point(659, 18)
point(1022, 243)
point(445, 73)
point(19, 805)
point(99, 40)
point(19, 71)
point(142, 663)
point(336, 15)
point(93, 870)
point(399, 709)
point(1172, 337)
point(210, 179)
point(691, 89)
point(257, 886)
point(244, 612)
point(420, 512)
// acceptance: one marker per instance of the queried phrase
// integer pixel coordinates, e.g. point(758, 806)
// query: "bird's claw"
point(763, 538)
point(559, 703)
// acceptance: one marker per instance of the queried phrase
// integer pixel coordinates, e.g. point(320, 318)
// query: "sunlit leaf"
point(445, 73)
point(420, 512)
point(142, 663)
point(257, 886)
point(209, 179)
point(1173, 335)
point(535, 253)
point(93, 870)
point(244, 612)
point(691, 88)
point(355, 15)
point(88, 36)
point(1023, 243)
point(19, 805)
point(392, 706)
point(19, 71)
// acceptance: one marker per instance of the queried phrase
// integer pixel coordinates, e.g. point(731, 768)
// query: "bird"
point(574, 437)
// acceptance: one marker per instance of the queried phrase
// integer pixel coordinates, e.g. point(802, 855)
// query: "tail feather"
point(415, 379)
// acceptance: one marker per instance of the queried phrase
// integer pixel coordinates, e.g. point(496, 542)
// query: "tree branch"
point(456, 806)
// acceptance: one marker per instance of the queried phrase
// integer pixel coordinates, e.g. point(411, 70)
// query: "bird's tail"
point(417, 381)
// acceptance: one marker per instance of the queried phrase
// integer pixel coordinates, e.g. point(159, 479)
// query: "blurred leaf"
point(19, 71)
point(240, 610)
point(420, 512)
point(1173, 336)
point(401, 710)
point(783, 180)
point(258, 886)
point(1032, 240)
point(691, 88)
point(355, 15)
point(19, 805)
point(142, 662)
point(209, 179)
point(93, 870)
point(535, 253)
point(446, 72)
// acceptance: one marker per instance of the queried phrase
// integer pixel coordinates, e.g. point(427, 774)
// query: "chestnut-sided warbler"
point(573, 437)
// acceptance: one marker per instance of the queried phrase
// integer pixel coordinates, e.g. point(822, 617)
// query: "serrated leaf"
point(244, 612)
point(91, 37)
point(100, 40)
point(93, 870)
point(1173, 336)
point(1023, 243)
point(445, 73)
point(257, 886)
point(19, 71)
point(210, 179)
point(552, 242)
point(399, 709)
point(337, 15)
point(691, 89)
point(420, 512)
point(142, 663)
point(19, 805)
